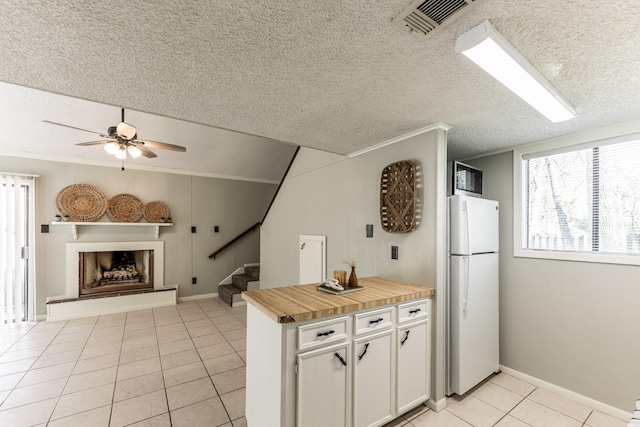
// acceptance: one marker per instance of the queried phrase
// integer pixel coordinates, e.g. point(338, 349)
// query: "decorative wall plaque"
point(398, 197)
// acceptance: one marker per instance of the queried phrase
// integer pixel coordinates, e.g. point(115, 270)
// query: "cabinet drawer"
point(370, 321)
point(317, 334)
point(413, 310)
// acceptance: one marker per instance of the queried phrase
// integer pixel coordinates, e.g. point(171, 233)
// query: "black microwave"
point(466, 180)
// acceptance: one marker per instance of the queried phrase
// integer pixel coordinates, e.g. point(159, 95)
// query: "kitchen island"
point(356, 359)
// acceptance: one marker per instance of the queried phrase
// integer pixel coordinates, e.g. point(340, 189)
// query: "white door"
point(473, 226)
point(372, 385)
point(474, 318)
point(413, 364)
point(323, 387)
point(312, 259)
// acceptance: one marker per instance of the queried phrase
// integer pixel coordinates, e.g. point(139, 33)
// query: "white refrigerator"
point(472, 292)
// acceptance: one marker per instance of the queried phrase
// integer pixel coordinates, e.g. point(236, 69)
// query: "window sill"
point(601, 258)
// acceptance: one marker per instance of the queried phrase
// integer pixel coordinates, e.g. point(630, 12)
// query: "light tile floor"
point(171, 366)
point(505, 401)
point(185, 366)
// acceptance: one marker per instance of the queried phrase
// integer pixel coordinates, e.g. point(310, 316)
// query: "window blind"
point(585, 198)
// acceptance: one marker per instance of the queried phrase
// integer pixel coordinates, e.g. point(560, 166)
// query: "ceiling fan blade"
point(161, 145)
point(145, 151)
point(73, 127)
point(88, 143)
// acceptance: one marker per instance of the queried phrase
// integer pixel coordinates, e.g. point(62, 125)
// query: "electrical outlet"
point(44, 228)
point(193, 229)
point(194, 280)
point(216, 229)
point(394, 252)
point(369, 230)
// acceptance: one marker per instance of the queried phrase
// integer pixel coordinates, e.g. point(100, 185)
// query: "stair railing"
point(240, 236)
point(257, 224)
point(280, 185)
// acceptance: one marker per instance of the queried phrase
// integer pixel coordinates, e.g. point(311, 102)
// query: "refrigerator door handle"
point(465, 300)
point(465, 209)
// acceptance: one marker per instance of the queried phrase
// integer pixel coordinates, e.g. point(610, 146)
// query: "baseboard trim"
point(196, 297)
point(207, 296)
point(437, 406)
point(592, 403)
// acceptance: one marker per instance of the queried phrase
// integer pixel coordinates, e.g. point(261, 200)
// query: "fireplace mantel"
point(74, 225)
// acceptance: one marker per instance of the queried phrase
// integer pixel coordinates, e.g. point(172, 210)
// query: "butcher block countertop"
point(305, 302)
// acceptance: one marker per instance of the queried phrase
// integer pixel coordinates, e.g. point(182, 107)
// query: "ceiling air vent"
point(424, 16)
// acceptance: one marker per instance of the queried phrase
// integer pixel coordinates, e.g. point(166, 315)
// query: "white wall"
point(202, 202)
point(573, 324)
point(336, 196)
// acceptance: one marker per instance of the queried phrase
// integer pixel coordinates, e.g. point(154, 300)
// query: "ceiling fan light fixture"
point(492, 52)
point(121, 154)
point(134, 151)
point(126, 131)
point(112, 148)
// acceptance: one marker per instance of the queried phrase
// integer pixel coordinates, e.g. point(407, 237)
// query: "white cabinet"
point(316, 334)
point(413, 367)
point(323, 384)
point(361, 369)
point(373, 379)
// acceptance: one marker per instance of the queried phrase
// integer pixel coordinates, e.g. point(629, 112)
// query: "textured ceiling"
point(333, 75)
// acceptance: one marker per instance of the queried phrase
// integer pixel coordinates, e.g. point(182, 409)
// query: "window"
point(582, 199)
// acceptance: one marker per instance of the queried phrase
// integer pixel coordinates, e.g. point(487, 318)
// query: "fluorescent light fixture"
point(492, 52)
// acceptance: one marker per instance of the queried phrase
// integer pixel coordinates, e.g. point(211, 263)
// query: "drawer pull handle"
point(366, 346)
point(414, 311)
point(371, 322)
point(325, 334)
point(340, 359)
point(406, 337)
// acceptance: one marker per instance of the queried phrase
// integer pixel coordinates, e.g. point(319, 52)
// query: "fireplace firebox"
point(107, 269)
point(115, 271)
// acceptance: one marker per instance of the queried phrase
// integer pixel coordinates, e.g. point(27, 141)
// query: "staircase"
point(243, 279)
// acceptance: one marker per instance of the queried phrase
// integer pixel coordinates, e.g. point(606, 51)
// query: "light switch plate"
point(394, 252)
point(369, 230)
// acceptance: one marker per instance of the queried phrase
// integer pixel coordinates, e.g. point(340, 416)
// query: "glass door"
point(17, 224)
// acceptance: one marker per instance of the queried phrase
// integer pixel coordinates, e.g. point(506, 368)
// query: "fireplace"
point(115, 271)
point(113, 268)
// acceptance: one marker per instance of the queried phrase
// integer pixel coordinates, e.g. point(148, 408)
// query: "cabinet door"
point(413, 364)
point(323, 385)
point(372, 385)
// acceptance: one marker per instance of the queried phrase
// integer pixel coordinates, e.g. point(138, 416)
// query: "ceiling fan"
point(122, 139)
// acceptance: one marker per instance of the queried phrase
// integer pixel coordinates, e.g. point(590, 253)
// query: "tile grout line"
point(202, 361)
point(164, 384)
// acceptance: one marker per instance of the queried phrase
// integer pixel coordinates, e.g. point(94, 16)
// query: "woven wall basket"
point(156, 212)
point(125, 208)
point(81, 202)
point(398, 197)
